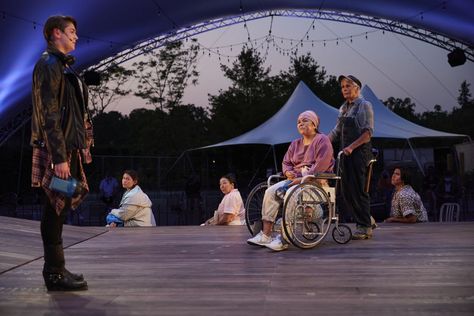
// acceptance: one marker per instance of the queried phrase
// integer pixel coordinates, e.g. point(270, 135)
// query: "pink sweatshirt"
point(317, 156)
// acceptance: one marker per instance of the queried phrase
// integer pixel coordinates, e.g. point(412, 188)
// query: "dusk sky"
point(391, 64)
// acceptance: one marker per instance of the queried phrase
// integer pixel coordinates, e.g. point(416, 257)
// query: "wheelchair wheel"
point(253, 208)
point(307, 215)
point(312, 230)
point(341, 234)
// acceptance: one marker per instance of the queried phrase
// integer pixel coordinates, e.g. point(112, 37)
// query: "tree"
point(111, 133)
point(405, 108)
point(110, 88)
point(247, 74)
point(464, 98)
point(248, 102)
point(167, 72)
point(305, 68)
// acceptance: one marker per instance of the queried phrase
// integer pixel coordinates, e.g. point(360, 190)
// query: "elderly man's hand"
point(347, 151)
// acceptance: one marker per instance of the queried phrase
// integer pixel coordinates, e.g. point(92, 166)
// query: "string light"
point(215, 50)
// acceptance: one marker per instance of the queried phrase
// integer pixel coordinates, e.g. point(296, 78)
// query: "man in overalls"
point(353, 130)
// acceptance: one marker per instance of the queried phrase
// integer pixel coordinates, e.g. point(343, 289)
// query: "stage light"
point(456, 57)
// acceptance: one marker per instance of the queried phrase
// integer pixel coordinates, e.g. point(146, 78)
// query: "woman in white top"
point(231, 209)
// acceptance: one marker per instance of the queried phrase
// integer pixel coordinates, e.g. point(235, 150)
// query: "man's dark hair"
point(57, 22)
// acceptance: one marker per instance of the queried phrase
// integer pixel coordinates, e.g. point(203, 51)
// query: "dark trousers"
point(354, 174)
point(51, 233)
point(52, 229)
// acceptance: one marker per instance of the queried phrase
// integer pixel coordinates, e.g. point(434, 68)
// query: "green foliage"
point(251, 99)
point(111, 130)
point(405, 108)
point(464, 99)
point(110, 89)
point(163, 78)
point(248, 102)
point(458, 121)
point(305, 68)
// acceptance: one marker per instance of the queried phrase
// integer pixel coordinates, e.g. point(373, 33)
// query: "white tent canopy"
point(281, 127)
point(390, 125)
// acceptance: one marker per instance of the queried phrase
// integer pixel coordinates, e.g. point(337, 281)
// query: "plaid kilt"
point(42, 173)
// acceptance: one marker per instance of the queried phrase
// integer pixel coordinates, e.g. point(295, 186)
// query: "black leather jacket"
point(59, 106)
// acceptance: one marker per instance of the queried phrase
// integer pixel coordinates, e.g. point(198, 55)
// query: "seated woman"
point(135, 206)
point(407, 206)
point(231, 209)
point(310, 154)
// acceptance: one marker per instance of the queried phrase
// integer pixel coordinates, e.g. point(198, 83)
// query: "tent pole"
point(416, 157)
point(275, 159)
point(263, 161)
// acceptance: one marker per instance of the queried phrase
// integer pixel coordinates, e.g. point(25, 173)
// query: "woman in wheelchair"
point(310, 154)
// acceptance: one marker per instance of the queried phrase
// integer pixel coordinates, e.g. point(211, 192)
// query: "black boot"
point(62, 282)
point(56, 276)
point(74, 276)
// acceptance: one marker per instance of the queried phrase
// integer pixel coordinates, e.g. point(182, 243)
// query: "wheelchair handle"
point(339, 155)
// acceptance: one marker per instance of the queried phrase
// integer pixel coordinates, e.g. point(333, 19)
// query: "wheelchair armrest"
point(279, 175)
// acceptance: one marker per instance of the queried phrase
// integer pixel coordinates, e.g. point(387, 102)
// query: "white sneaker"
point(259, 240)
point(277, 244)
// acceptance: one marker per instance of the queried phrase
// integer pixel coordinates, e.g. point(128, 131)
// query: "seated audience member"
point(407, 206)
point(448, 189)
point(310, 154)
point(231, 209)
point(109, 188)
point(135, 206)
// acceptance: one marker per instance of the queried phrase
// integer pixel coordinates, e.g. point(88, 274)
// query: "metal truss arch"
point(397, 27)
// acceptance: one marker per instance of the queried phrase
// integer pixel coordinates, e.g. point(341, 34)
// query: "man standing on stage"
point(354, 130)
point(61, 135)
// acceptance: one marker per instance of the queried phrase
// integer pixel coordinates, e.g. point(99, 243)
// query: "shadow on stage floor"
point(190, 270)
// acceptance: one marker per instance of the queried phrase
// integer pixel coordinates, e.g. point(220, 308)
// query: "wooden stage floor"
point(423, 269)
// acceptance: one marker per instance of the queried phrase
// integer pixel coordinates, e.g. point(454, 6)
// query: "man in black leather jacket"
point(60, 136)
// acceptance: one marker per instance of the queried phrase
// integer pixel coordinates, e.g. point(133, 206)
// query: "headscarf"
point(312, 116)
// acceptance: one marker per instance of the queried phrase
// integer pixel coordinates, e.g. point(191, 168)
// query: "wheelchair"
point(307, 213)
point(308, 210)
